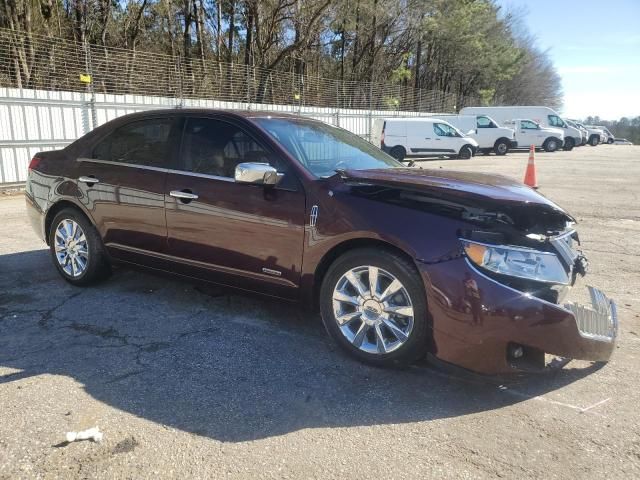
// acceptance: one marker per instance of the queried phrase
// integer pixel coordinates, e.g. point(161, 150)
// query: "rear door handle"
point(183, 195)
point(89, 179)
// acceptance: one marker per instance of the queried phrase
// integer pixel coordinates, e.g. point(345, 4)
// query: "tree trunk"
point(232, 28)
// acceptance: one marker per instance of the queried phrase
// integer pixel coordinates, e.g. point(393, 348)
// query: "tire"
point(551, 144)
point(594, 140)
point(569, 143)
point(398, 153)
point(86, 263)
point(369, 318)
point(501, 147)
point(465, 152)
point(610, 141)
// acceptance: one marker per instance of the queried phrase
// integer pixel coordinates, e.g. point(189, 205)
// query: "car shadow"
point(215, 363)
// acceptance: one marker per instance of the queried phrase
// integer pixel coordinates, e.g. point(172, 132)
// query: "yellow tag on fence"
point(85, 78)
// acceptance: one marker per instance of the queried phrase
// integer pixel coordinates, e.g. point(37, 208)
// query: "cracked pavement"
point(187, 380)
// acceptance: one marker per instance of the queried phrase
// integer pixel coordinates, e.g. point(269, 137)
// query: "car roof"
point(209, 111)
point(414, 119)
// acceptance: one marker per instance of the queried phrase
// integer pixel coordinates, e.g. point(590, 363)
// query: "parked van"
point(610, 136)
point(491, 137)
point(421, 137)
point(583, 131)
point(607, 136)
point(544, 116)
point(529, 132)
point(595, 135)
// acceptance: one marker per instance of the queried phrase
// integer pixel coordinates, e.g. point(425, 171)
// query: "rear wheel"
point(76, 248)
point(373, 305)
point(501, 147)
point(465, 152)
point(551, 144)
point(398, 153)
point(569, 143)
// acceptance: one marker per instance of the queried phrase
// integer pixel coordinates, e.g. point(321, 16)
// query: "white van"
point(544, 116)
point(594, 135)
point(529, 132)
point(491, 137)
point(421, 137)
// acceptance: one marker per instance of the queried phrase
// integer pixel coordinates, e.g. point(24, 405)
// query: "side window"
point(145, 142)
point(215, 147)
point(484, 122)
point(555, 121)
point(438, 130)
point(527, 125)
point(444, 130)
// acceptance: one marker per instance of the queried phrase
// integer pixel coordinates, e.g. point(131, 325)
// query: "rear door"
point(122, 185)
point(246, 236)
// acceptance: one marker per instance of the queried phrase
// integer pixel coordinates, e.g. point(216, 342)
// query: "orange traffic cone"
point(530, 174)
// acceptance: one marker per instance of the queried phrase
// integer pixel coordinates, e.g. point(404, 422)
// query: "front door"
point(529, 133)
point(122, 185)
point(446, 138)
point(243, 235)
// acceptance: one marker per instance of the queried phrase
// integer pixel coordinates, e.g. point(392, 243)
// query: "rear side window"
point(145, 142)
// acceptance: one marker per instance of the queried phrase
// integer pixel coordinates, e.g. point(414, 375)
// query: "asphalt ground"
point(192, 382)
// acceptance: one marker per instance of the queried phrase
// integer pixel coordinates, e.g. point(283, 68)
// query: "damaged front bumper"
point(490, 328)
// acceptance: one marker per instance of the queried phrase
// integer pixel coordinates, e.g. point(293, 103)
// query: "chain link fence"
point(49, 63)
point(53, 91)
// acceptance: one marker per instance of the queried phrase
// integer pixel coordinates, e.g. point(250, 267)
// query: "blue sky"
point(595, 46)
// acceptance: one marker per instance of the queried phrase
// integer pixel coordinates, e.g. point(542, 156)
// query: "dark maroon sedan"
point(473, 269)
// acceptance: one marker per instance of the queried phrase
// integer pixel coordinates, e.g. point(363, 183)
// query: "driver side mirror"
point(257, 174)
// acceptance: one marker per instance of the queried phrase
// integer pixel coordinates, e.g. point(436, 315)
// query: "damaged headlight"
point(518, 262)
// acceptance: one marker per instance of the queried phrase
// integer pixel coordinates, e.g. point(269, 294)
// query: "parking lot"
point(193, 381)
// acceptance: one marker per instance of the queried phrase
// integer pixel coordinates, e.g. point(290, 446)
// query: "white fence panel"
point(37, 120)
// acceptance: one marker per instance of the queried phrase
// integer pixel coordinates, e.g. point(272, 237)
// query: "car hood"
point(474, 189)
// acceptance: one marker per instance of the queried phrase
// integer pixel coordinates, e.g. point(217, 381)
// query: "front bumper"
point(477, 320)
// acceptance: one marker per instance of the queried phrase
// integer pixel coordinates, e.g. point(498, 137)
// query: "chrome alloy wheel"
point(373, 310)
point(72, 251)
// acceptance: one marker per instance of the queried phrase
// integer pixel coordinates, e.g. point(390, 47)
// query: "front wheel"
point(465, 152)
point(569, 143)
point(610, 141)
point(551, 145)
point(594, 140)
point(501, 147)
point(373, 305)
point(76, 248)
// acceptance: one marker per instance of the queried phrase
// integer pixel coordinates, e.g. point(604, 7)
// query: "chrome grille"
point(598, 320)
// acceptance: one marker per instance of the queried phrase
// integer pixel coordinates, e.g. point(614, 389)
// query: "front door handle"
point(184, 195)
point(90, 179)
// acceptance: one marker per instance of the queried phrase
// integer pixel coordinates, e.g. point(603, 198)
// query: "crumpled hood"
point(459, 184)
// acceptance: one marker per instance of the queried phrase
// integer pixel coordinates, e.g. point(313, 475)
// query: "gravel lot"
point(192, 381)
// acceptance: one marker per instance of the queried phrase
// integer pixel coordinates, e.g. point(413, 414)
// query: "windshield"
point(322, 148)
